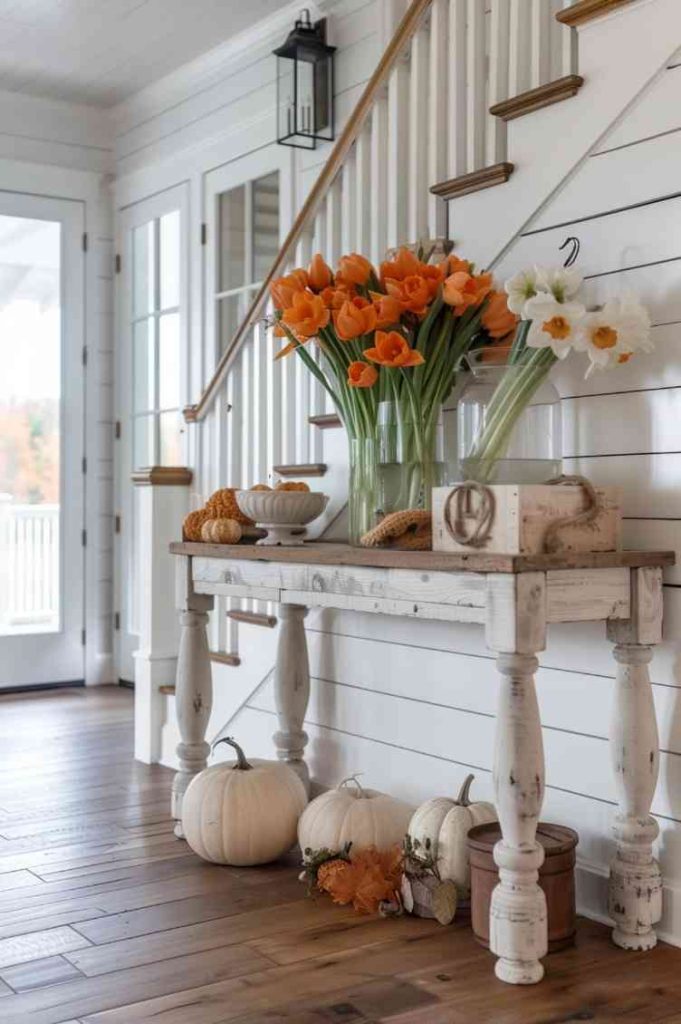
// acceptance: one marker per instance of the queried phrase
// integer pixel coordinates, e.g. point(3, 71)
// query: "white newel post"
point(292, 689)
point(162, 501)
point(516, 629)
point(635, 889)
point(193, 688)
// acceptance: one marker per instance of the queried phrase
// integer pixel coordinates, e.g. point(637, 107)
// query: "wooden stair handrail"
point(403, 34)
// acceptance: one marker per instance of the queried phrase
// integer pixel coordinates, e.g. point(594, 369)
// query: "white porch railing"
point(29, 566)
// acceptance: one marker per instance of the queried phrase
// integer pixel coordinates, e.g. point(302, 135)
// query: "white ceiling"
point(101, 51)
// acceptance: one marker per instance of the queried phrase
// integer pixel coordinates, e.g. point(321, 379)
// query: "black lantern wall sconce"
point(305, 85)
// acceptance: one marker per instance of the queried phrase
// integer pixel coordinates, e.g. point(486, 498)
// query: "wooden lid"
point(554, 838)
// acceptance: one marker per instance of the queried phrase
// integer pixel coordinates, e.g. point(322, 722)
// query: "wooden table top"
point(323, 553)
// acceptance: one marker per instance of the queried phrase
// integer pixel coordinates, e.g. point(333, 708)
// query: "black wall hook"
point(572, 256)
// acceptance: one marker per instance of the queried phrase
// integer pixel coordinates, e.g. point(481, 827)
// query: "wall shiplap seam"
point(604, 213)
point(446, 760)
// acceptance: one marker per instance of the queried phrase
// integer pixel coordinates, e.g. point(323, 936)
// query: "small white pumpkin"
point(356, 815)
point(241, 812)
point(446, 824)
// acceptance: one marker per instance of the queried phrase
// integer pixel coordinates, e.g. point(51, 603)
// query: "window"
point(155, 336)
point(247, 242)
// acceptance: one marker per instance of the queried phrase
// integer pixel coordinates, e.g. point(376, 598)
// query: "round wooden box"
point(556, 878)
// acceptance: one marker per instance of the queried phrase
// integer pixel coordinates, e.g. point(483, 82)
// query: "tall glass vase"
point(395, 470)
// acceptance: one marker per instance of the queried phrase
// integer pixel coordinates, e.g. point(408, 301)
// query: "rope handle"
point(552, 541)
point(483, 516)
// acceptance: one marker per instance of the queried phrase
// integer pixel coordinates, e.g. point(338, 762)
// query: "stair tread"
point(535, 99)
point(301, 469)
point(586, 10)
point(325, 421)
point(474, 181)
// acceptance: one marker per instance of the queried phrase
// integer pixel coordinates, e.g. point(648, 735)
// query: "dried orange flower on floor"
point(370, 877)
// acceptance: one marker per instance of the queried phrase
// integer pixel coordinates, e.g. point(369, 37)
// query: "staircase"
point(476, 115)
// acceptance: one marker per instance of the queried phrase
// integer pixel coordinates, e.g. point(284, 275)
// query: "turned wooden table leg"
point(292, 689)
point(518, 922)
point(635, 890)
point(193, 693)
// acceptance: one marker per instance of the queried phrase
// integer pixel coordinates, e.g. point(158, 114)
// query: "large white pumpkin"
point(446, 824)
point(352, 814)
point(241, 812)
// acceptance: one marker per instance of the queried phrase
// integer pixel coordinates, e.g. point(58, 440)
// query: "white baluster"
point(519, 48)
point(437, 119)
point(398, 153)
point(635, 894)
point(498, 78)
point(348, 204)
point(456, 158)
point(417, 229)
point(292, 689)
point(516, 629)
point(334, 236)
point(568, 42)
point(541, 30)
point(379, 179)
point(363, 191)
point(476, 86)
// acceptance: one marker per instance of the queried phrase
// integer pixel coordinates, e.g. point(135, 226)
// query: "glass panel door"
point(152, 376)
point(41, 441)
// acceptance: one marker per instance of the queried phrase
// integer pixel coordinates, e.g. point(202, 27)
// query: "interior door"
point(41, 440)
point(152, 376)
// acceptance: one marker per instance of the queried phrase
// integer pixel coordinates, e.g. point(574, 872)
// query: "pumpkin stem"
point(355, 779)
point(462, 798)
point(241, 762)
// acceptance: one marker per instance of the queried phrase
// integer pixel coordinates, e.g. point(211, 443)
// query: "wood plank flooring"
point(106, 918)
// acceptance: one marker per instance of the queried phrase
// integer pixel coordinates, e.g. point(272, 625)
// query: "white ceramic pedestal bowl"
point(284, 514)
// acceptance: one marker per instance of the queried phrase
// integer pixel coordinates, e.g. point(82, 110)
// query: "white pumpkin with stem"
point(353, 814)
point(243, 812)
point(443, 825)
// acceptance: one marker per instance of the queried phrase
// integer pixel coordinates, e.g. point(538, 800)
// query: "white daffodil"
point(611, 335)
point(555, 325)
point(562, 282)
point(520, 288)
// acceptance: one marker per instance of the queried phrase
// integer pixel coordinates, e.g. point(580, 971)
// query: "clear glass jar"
point(508, 428)
point(393, 471)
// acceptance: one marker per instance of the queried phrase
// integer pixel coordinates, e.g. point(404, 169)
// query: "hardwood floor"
point(105, 917)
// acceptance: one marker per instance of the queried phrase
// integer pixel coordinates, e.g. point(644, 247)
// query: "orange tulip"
point(406, 265)
point(393, 350)
point(388, 310)
point(453, 264)
point(334, 298)
point(284, 288)
point(306, 315)
point(319, 274)
point(462, 290)
point(413, 293)
point(362, 375)
point(354, 269)
point(356, 316)
point(497, 319)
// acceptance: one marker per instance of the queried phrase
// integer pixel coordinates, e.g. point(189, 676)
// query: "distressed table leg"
point(292, 689)
point(635, 890)
point(516, 618)
point(193, 690)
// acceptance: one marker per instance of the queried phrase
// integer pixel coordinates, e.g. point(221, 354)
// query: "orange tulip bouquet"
point(388, 344)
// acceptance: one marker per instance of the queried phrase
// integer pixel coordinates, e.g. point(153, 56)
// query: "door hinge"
point(117, 620)
point(204, 233)
point(117, 524)
point(83, 355)
point(83, 465)
point(85, 241)
point(83, 538)
point(83, 636)
point(117, 430)
point(117, 263)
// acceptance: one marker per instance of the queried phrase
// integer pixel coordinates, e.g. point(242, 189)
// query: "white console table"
point(515, 598)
